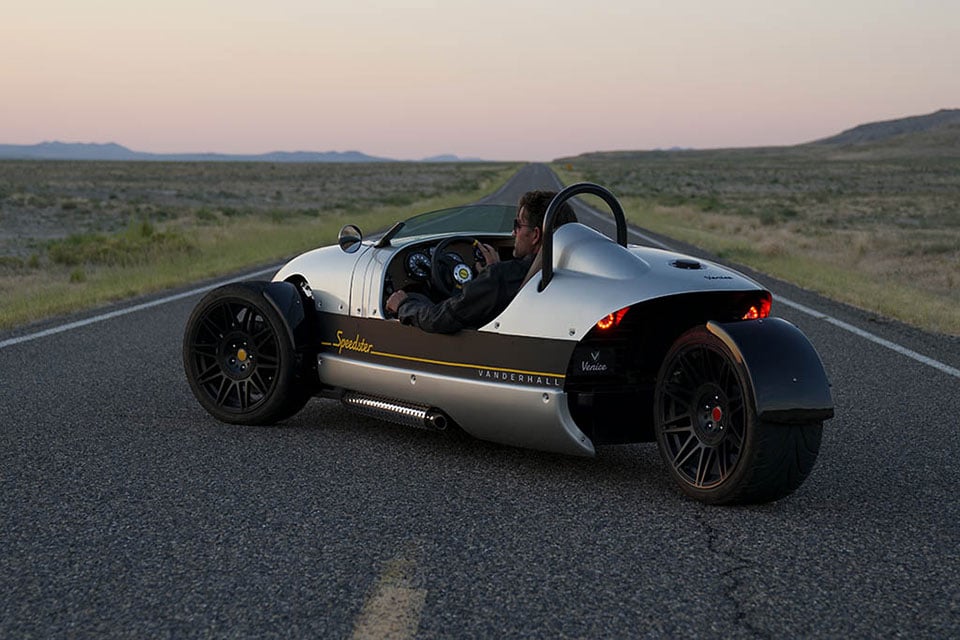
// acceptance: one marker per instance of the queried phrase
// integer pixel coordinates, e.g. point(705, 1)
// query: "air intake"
point(686, 263)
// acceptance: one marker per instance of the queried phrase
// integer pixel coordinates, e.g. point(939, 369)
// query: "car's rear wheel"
point(239, 358)
point(708, 432)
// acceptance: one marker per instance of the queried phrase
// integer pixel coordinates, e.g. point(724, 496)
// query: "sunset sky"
point(497, 79)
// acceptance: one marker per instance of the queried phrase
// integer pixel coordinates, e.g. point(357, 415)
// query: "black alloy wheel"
point(708, 433)
point(239, 358)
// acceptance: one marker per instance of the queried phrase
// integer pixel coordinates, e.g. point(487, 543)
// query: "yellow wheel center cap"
point(242, 355)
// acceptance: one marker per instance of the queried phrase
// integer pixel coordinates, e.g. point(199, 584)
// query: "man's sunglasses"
point(517, 224)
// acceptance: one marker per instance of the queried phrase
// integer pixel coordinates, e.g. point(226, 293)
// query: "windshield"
point(471, 219)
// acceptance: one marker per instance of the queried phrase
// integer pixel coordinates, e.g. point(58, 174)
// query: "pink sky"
point(500, 79)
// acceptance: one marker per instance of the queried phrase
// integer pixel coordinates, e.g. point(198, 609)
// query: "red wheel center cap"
point(716, 414)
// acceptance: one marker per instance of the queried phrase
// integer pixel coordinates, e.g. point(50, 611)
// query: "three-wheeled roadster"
point(605, 343)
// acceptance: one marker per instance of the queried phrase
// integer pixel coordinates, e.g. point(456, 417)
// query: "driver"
point(486, 296)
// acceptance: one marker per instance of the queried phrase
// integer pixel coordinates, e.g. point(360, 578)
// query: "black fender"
point(286, 300)
point(789, 383)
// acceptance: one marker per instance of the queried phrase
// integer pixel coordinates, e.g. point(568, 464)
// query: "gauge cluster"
point(418, 262)
point(418, 265)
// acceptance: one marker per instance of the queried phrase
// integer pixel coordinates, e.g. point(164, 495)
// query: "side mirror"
point(350, 238)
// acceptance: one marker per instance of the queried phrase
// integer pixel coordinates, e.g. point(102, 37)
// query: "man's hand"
point(395, 300)
point(490, 256)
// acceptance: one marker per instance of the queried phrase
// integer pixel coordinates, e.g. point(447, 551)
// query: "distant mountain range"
point(112, 151)
point(935, 133)
point(942, 120)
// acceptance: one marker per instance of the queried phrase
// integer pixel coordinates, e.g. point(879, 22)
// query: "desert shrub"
point(204, 215)
point(710, 203)
point(139, 244)
point(283, 216)
point(11, 263)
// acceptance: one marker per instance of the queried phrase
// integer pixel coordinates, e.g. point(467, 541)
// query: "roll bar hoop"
point(580, 188)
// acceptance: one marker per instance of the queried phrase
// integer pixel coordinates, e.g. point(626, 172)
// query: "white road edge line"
point(122, 312)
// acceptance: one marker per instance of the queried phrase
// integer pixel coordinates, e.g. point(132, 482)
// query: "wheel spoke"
point(229, 316)
point(258, 384)
point(704, 465)
point(735, 404)
point(205, 350)
point(724, 372)
point(688, 370)
point(208, 324)
point(254, 321)
point(680, 424)
point(268, 357)
point(735, 437)
point(243, 393)
point(223, 391)
point(262, 335)
point(724, 454)
point(709, 364)
point(680, 395)
point(267, 360)
point(683, 453)
point(210, 374)
point(237, 393)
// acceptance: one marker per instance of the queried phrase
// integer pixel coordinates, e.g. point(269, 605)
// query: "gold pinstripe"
point(463, 365)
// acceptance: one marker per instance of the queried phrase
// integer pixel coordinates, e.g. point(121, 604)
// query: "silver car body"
point(593, 277)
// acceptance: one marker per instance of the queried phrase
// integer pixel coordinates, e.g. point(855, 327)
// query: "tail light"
point(612, 320)
point(759, 308)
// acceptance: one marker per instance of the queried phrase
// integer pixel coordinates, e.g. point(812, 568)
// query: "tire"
point(708, 432)
point(239, 358)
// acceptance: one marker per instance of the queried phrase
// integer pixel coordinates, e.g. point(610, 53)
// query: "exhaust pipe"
point(436, 420)
point(405, 413)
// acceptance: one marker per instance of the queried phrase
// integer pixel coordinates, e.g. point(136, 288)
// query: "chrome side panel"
point(504, 412)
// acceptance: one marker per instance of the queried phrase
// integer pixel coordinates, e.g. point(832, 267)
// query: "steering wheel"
point(448, 271)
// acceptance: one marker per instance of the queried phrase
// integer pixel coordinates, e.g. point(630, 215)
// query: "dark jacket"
point(480, 301)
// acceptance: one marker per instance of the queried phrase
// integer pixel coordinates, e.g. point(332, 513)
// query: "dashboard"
point(411, 268)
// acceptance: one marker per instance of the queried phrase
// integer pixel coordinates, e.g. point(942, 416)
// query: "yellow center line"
point(393, 608)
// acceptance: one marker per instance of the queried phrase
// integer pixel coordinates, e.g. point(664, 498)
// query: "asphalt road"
point(126, 511)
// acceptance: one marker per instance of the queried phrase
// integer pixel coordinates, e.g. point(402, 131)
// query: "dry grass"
point(79, 234)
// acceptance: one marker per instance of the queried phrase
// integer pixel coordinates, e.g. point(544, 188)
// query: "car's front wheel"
point(708, 432)
point(239, 358)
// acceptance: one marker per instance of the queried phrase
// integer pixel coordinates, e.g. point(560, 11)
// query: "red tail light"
point(612, 320)
point(760, 309)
